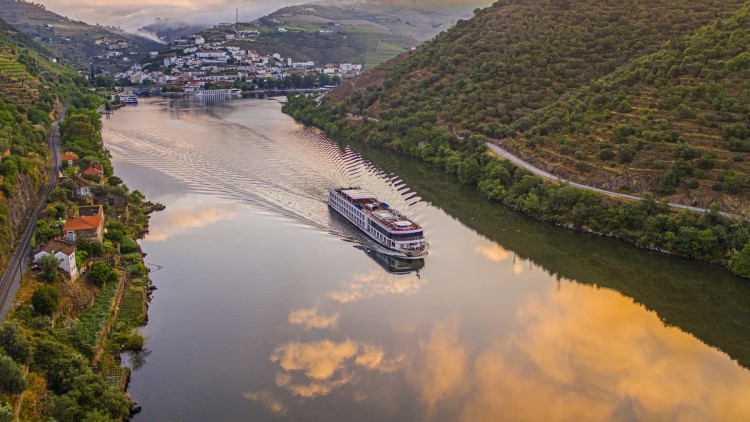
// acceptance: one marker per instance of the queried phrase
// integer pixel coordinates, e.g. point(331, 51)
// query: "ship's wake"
point(287, 174)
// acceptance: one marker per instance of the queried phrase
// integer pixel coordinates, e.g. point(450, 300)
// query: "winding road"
point(541, 173)
point(11, 278)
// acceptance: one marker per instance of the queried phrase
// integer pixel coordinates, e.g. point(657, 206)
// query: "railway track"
point(11, 277)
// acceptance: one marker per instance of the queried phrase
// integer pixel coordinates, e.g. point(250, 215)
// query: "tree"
point(63, 408)
point(102, 273)
point(11, 376)
point(92, 247)
point(114, 181)
point(45, 299)
point(14, 343)
point(49, 265)
point(740, 264)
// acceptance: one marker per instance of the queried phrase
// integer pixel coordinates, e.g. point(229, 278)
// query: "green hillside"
point(490, 75)
point(643, 98)
point(79, 43)
point(674, 122)
point(31, 92)
point(48, 371)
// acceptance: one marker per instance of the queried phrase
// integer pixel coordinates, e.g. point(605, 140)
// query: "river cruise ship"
point(129, 98)
point(218, 92)
point(381, 222)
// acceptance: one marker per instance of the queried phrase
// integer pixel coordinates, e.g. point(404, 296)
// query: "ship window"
point(406, 235)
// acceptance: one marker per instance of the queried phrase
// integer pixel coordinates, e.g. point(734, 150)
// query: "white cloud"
point(134, 14)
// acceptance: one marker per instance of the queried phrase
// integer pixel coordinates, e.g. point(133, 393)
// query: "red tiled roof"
point(92, 170)
point(82, 223)
point(69, 156)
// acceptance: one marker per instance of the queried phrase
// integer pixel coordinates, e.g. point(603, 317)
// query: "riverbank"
point(82, 305)
point(708, 237)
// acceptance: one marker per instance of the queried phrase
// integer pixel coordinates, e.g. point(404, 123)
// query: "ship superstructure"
point(381, 222)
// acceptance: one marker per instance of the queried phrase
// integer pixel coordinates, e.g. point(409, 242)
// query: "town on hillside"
point(192, 64)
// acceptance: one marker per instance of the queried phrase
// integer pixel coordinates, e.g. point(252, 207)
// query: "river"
point(271, 307)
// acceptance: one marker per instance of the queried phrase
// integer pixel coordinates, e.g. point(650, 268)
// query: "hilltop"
point(503, 72)
point(336, 33)
point(77, 42)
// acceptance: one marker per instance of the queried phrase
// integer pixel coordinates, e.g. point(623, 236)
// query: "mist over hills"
point(364, 32)
point(76, 42)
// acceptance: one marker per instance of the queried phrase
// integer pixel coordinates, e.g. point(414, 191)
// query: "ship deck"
point(380, 211)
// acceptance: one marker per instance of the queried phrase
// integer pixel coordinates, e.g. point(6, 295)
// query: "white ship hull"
point(234, 92)
point(381, 223)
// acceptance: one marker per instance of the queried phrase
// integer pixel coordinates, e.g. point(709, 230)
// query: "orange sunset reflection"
point(579, 354)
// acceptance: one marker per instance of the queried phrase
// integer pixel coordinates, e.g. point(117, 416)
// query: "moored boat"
point(378, 220)
point(129, 98)
point(218, 92)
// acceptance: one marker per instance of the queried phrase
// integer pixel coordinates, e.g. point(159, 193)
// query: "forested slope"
point(492, 74)
point(671, 101)
point(674, 122)
point(30, 90)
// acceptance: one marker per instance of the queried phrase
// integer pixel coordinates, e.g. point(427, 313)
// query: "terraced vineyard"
point(674, 122)
point(16, 83)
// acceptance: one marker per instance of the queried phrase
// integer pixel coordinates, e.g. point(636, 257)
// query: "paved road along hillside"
point(541, 173)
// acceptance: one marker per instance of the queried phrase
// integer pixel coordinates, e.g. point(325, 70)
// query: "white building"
point(65, 252)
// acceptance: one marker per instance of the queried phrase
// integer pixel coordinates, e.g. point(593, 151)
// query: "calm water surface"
point(270, 307)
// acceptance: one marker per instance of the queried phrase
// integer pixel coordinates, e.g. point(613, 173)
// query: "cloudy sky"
point(133, 14)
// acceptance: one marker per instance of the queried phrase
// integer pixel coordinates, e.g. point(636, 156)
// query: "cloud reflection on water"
point(492, 252)
point(578, 354)
point(179, 220)
point(376, 283)
point(311, 319)
point(317, 367)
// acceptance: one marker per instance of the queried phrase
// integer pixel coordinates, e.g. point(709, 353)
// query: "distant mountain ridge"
point(358, 32)
point(77, 42)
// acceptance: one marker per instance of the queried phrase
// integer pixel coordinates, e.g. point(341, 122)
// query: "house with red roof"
point(89, 227)
point(70, 158)
point(94, 170)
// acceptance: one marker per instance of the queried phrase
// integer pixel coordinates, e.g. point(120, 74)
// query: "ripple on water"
point(245, 165)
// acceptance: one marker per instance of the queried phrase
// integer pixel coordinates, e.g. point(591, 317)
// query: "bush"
point(59, 361)
point(102, 273)
point(6, 413)
point(606, 154)
point(740, 264)
point(132, 342)
point(11, 376)
point(49, 265)
point(45, 299)
point(14, 343)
